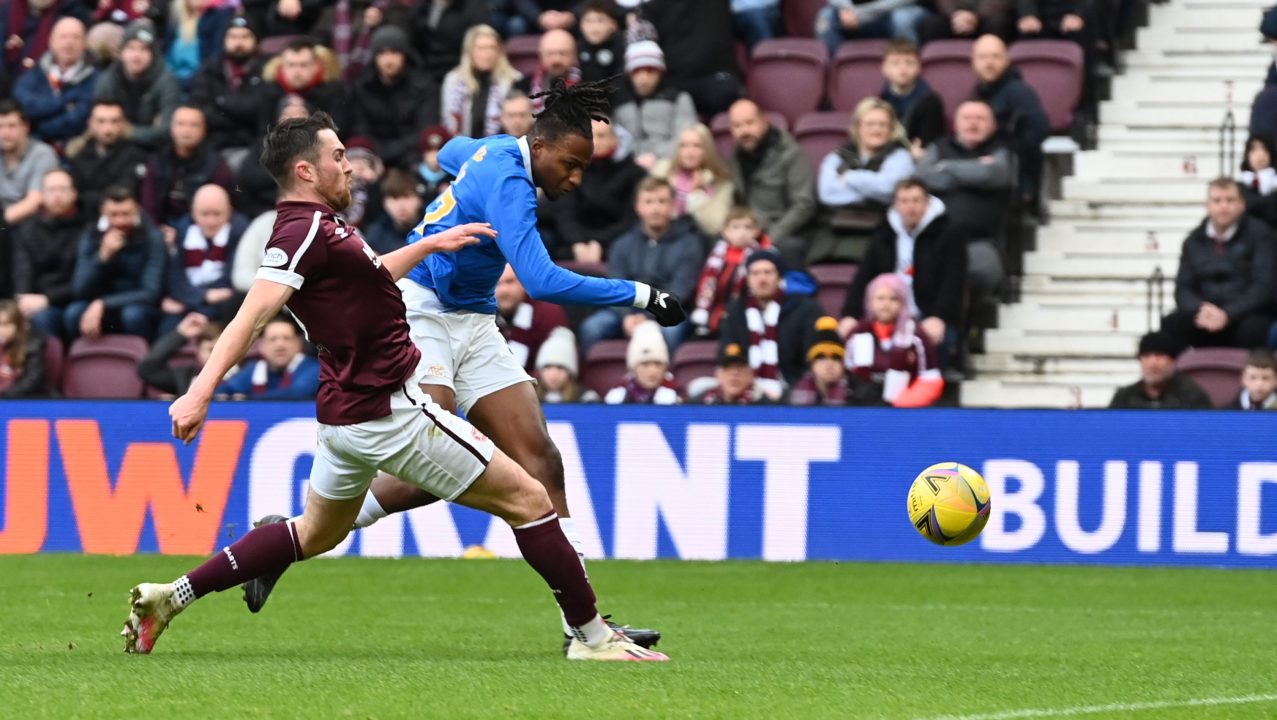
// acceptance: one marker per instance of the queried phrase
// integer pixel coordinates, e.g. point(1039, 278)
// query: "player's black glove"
point(665, 308)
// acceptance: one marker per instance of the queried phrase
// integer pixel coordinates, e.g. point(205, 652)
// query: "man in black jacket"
point(184, 164)
point(175, 379)
point(1022, 123)
point(392, 101)
point(700, 50)
point(774, 327)
point(1161, 386)
point(302, 73)
point(920, 110)
point(1224, 290)
point(44, 254)
point(107, 158)
point(228, 88)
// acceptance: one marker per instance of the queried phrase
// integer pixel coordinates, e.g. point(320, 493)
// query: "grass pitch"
point(478, 639)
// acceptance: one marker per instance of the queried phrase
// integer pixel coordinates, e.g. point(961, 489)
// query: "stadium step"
point(999, 394)
point(1022, 365)
point(1075, 319)
point(1150, 190)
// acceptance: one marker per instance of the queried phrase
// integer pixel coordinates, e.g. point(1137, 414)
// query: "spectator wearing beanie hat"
point(556, 369)
point(826, 381)
point(432, 177)
point(228, 89)
point(773, 326)
point(142, 85)
point(652, 111)
point(1161, 386)
point(648, 381)
point(392, 99)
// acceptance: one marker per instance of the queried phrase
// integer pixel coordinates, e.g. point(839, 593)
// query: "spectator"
point(119, 272)
point(283, 373)
point(309, 71)
point(58, 94)
point(734, 382)
point(756, 20)
point(200, 266)
point(255, 188)
point(1258, 179)
point(601, 44)
point(557, 60)
point(928, 251)
point(26, 26)
point(582, 225)
point(774, 326)
point(194, 36)
point(392, 100)
point(277, 18)
point(525, 323)
point(105, 157)
point(474, 90)
point(919, 109)
point(1224, 290)
point(1022, 122)
point(771, 174)
point(103, 42)
point(140, 83)
point(700, 50)
point(826, 381)
point(175, 379)
point(119, 13)
point(723, 276)
point(44, 254)
point(702, 183)
point(889, 352)
point(1160, 386)
point(228, 88)
point(1259, 382)
point(401, 206)
point(21, 355)
point(651, 110)
point(658, 251)
point(516, 114)
point(431, 177)
point(967, 20)
point(529, 17)
point(556, 368)
point(26, 160)
point(185, 163)
point(365, 192)
point(1055, 19)
point(648, 381)
point(971, 173)
point(855, 19)
point(439, 27)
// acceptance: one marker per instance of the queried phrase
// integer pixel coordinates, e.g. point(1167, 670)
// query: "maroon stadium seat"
point(788, 75)
point(593, 269)
point(856, 73)
point(694, 359)
point(605, 365)
point(104, 368)
point(186, 356)
point(833, 281)
point(800, 16)
point(1054, 69)
point(722, 131)
point(522, 51)
point(822, 133)
point(946, 66)
point(272, 46)
point(1217, 370)
point(54, 356)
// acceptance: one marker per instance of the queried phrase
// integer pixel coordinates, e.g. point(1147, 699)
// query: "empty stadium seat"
point(788, 75)
point(522, 52)
point(833, 281)
point(946, 66)
point(800, 16)
point(604, 365)
point(821, 133)
point(722, 130)
point(855, 73)
point(104, 368)
point(694, 359)
point(271, 46)
point(54, 356)
point(1053, 68)
point(1217, 370)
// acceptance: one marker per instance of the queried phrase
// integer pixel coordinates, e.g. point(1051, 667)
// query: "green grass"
point(478, 639)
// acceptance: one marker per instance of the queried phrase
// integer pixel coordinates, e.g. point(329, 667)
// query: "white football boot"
point(617, 648)
point(153, 608)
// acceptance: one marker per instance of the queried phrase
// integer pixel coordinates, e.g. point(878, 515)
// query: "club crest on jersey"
point(275, 257)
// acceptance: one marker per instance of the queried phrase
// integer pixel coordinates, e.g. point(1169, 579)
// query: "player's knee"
point(528, 502)
point(315, 540)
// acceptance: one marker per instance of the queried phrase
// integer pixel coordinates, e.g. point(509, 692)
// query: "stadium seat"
point(593, 269)
point(946, 66)
point(1053, 68)
point(800, 16)
point(833, 281)
point(821, 133)
point(272, 46)
point(855, 73)
point(722, 131)
point(694, 359)
point(788, 75)
point(605, 365)
point(522, 52)
point(104, 368)
point(1217, 370)
point(54, 356)
point(184, 357)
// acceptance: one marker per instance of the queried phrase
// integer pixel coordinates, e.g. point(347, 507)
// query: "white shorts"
point(418, 442)
point(460, 350)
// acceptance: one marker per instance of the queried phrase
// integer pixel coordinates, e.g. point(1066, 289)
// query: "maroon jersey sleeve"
point(296, 251)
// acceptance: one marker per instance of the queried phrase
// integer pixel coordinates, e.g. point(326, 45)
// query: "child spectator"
point(702, 183)
point(21, 355)
point(826, 381)
point(401, 205)
point(283, 373)
point(601, 47)
point(919, 109)
point(1259, 382)
point(1258, 179)
point(474, 90)
point(653, 111)
point(649, 381)
point(888, 350)
point(430, 175)
point(556, 368)
point(734, 381)
point(723, 276)
point(175, 380)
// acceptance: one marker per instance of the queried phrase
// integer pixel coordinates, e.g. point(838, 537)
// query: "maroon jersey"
point(349, 307)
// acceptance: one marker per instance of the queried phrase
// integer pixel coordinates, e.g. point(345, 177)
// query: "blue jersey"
point(494, 185)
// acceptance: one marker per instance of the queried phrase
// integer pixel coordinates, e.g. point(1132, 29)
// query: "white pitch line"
point(1113, 708)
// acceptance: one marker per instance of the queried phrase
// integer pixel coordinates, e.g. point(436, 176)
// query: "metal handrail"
point(1228, 135)
point(1154, 289)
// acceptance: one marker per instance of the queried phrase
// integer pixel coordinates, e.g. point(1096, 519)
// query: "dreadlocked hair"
point(569, 109)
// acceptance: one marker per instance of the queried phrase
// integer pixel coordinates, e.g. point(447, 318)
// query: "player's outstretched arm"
point(262, 304)
point(401, 261)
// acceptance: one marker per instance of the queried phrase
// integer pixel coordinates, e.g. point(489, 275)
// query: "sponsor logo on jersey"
point(275, 257)
point(436, 370)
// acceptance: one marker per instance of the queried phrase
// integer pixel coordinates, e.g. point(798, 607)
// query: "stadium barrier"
point(784, 484)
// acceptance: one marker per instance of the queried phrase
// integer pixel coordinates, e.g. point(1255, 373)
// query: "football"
point(949, 503)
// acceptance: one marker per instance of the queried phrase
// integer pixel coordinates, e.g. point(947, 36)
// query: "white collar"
point(526, 152)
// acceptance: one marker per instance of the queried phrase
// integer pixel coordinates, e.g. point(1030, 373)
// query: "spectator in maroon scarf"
point(200, 261)
point(58, 94)
point(557, 53)
point(648, 381)
point(826, 381)
point(228, 88)
point(723, 276)
point(734, 381)
point(301, 71)
point(774, 327)
point(283, 373)
point(525, 323)
point(888, 349)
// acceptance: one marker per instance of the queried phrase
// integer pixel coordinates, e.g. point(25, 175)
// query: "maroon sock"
point(548, 551)
point(266, 550)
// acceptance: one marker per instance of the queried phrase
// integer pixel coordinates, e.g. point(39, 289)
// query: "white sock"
point(183, 595)
point(370, 512)
point(593, 633)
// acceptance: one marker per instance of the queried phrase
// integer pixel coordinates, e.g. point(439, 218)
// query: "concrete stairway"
point(1124, 211)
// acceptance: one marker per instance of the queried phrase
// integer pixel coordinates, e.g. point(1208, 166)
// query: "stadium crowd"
point(822, 264)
